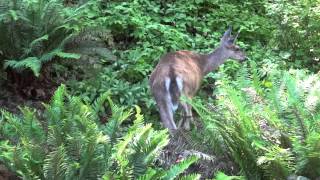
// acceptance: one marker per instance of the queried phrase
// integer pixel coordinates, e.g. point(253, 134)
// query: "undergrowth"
point(72, 144)
point(263, 116)
point(269, 127)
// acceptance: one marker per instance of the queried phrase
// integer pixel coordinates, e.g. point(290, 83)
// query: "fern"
point(277, 162)
point(31, 62)
point(99, 102)
point(190, 177)
point(266, 130)
point(35, 32)
point(149, 175)
point(222, 176)
point(119, 115)
point(179, 168)
point(71, 145)
point(56, 164)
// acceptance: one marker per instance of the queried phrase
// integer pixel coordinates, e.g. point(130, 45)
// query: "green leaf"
point(31, 63)
point(285, 55)
point(14, 15)
point(180, 168)
point(222, 176)
point(191, 177)
point(68, 55)
point(36, 41)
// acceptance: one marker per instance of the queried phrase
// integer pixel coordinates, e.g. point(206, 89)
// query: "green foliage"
point(141, 31)
point(70, 144)
point(179, 168)
point(190, 177)
point(222, 176)
point(35, 32)
point(266, 120)
point(298, 28)
point(271, 130)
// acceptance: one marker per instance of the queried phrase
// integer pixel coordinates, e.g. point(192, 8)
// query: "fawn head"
point(230, 49)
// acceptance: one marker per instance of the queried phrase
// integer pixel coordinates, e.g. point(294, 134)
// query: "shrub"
point(71, 144)
point(270, 128)
point(141, 31)
point(297, 30)
point(33, 33)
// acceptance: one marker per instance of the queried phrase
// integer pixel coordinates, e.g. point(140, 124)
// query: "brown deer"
point(180, 74)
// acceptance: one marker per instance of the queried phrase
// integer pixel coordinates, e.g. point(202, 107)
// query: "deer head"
point(229, 48)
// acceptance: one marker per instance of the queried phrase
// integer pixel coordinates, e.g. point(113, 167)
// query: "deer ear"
point(226, 35)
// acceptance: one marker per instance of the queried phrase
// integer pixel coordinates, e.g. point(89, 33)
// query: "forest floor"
point(11, 101)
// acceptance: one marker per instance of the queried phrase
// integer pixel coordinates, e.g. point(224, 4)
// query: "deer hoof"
point(173, 132)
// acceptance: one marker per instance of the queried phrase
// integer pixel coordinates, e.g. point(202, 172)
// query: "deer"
point(180, 73)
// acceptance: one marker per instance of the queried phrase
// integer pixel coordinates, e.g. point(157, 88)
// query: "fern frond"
point(14, 121)
point(31, 63)
point(199, 155)
point(191, 177)
point(222, 176)
point(32, 128)
point(139, 146)
point(98, 103)
point(177, 169)
point(73, 146)
point(6, 153)
point(68, 55)
point(148, 175)
point(154, 146)
point(58, 97)
point(35, 43)
point(56, 164)
point(118, 116)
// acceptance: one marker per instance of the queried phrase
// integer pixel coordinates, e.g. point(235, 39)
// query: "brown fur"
point(186, 68)
point(182, 64)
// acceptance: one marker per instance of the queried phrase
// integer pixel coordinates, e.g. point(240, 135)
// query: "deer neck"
point(214, 60)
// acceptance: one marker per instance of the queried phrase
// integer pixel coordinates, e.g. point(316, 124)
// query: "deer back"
point(184, 65)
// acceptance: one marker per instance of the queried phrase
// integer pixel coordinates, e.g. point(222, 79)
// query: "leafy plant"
point(297, 30)
point(222, 176)
point(72, 145)
point(141, 31)
point(269, 131)
point(33, 33)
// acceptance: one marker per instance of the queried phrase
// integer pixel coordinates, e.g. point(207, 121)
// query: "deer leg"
point(185, 123)
point(166, 115)
point(181, 122)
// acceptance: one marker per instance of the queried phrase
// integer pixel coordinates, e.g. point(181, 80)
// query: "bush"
point(34, 33)
point(71, 144)
point(270, 128)
point(298, 28)
point(141, 31)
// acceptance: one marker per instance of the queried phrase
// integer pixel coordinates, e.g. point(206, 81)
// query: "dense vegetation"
point(262, 116)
